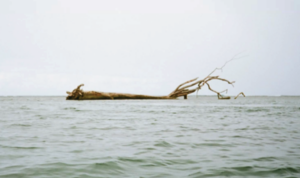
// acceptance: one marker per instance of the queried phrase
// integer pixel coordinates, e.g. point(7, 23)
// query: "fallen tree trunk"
point(94, 95)
point(183, 89)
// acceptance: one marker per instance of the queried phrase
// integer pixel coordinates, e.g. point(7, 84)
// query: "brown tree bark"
point(94, 95)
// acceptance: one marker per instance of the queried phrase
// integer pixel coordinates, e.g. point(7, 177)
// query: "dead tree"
point(183, 89)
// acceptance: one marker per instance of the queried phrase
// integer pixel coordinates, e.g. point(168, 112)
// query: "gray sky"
point(49, 47)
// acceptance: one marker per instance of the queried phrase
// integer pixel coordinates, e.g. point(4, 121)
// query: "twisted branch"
point(76, 93)
point(239, 95)
point(182, 90)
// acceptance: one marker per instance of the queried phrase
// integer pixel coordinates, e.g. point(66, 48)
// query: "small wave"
point(21, 125)
point(13, 175)
point(110, 168)
point(180, 161)
point(76, 151)
point(93, 169)
point(243, 168)
point(258, 110)
point(116, 128)
point(20, 147)
point(212, 145)
point(149, 149)
point(163, 144)
point(216, 173)
point(70, 108)
point(130, 159)
point(74, 109)
point(24, 108)
point(161, 175)
point(153, 163)
point(265, 159)
point(278, 171)
point(56, 164)
point(108, 165)
point(242, 171)
point(179, 136)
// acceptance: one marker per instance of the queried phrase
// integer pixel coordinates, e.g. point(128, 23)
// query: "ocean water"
point(49, 137)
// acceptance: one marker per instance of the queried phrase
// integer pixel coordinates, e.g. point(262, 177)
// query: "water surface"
point(49, 137)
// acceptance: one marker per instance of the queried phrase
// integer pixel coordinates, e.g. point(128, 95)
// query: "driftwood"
point(221, 97)
point(183, 89)
point(239, 95)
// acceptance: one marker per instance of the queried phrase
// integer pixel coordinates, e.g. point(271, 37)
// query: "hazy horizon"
point(190, 95)
point(148, 47)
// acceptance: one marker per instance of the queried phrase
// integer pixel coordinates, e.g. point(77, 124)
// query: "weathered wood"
point(181, 90)
point(78, 94)
point(220, 97)
point(94, 95)
point(239, 95)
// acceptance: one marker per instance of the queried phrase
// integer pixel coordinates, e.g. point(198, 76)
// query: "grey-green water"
point(48, 137)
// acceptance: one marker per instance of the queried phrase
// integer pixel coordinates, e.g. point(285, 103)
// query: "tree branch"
point(239, 95)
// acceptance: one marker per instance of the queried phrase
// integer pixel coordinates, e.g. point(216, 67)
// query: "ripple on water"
point(21, 147)
point(247, 171)
point(48, 137)
point(163, 144)
point(20, 125)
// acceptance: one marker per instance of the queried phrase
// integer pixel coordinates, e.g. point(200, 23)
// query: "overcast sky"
point(137, 46)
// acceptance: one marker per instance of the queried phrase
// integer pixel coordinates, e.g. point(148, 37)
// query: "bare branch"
point(186, 83)
point(78, 88)
point(211, 88)
point(222, 79)
point(182, 90)
point(233, 58)
point(239, 95)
